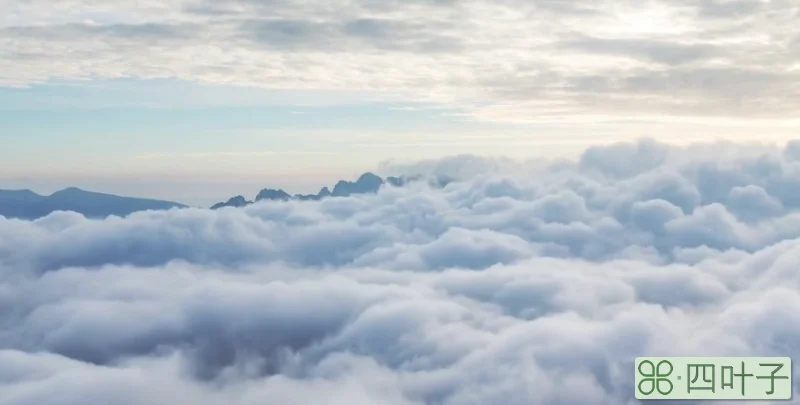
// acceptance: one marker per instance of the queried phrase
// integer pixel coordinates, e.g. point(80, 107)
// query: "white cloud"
point(539, 287)
point(510, 60)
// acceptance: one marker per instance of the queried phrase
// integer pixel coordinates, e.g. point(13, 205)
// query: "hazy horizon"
point(224, 187)
point(126, 96)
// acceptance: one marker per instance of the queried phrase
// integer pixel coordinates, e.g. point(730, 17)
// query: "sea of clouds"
point(521, 283)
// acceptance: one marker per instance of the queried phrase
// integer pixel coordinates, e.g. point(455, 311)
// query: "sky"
point(199, 100)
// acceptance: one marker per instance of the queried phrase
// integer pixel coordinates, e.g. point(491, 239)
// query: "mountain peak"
point(238, 201)
point(72, 193)
point(366, 183)
point(26, 204)
point(20, 192)
point(369, 176)
point(272, 194)
point(69, 190)
point(19, 196)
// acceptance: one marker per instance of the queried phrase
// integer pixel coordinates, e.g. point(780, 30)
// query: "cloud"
point(364, 34)
point(510, 60)
point(539, 287)
point(659, 51)
point(87, 30)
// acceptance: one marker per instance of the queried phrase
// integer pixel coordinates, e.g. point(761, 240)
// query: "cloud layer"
point(527, 284)
point(503, 60)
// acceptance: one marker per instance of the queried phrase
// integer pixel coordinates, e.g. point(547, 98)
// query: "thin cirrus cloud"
point(522, 59)
point(519, 283)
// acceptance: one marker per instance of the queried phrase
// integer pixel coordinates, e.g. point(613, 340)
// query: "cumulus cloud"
point(507, 60)
point(535, 287)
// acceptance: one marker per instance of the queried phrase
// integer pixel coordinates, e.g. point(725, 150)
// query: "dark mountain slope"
point(25, 204)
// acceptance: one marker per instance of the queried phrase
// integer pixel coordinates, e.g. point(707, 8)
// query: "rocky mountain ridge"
point(366, 183)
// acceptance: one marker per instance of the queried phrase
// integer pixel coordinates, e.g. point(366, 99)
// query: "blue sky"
point(119, 134)
point(98, 129)
point(194, 100)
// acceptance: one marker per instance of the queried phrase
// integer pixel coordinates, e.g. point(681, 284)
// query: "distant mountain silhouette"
point(271, 194)
point(324, 192)
point(25, 204)
point(396, 181)
point(365, 184)
point(237, 201)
